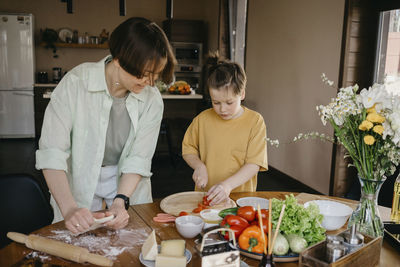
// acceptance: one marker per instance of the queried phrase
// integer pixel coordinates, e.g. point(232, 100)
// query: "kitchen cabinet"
point(42, 94)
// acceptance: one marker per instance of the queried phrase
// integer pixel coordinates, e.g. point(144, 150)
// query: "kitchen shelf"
point(74, 45)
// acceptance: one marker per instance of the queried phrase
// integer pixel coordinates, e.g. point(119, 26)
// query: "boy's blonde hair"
point(224, 74)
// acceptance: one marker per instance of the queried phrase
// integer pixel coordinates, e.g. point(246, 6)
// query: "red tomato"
point(183, 213)
point(206, 202)
point(197, 210)
point(265, 225)
point(264, 214)
point(202, 206)
point(247, 212)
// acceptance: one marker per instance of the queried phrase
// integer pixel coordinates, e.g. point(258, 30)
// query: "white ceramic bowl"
point(253, 201)
point(335, 213)
point(189, 226)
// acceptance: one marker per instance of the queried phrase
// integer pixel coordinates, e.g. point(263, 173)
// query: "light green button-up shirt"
point(74, 133)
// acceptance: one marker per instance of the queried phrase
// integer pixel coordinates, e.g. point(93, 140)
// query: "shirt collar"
point(96, 77)
point(97, 81)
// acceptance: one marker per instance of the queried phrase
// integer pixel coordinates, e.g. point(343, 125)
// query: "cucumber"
point(228, 211)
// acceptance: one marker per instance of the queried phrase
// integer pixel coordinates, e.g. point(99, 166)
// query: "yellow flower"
point(375, 117)
point(369, 140)
point(378, 129)
point(371, 109)
point(365, 125)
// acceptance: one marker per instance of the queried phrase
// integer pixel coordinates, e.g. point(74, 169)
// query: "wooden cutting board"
point(187, 201)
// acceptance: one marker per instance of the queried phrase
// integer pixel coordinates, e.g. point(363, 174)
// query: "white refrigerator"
point(17, 75)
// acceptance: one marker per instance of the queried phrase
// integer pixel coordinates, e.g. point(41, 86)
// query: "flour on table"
point(35, 254)
point(105, 242)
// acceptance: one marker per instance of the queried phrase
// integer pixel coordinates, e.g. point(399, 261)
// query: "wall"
point(93, 15)
point(288, 47)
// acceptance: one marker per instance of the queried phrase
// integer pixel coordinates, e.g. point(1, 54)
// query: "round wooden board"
point(188, 201)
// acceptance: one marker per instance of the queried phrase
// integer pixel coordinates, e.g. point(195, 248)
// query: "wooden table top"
point(140, 225)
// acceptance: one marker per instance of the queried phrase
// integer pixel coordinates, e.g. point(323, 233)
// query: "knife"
point(203, 190)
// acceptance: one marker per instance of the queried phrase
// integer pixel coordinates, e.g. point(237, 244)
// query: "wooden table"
point(141, 221)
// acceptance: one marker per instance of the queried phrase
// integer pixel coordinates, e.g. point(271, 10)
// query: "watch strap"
point(125, 198)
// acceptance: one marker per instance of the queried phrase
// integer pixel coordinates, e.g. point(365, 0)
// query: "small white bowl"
point(335, 213)
point(210, 217)
point(189, 226)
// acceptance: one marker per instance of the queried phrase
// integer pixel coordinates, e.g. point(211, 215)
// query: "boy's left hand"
point(219, 193)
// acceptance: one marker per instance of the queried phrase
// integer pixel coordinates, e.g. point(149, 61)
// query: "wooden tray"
point(366, 256)
point(187, 201)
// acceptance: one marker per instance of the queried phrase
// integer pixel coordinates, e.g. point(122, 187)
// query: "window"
point(387, 67)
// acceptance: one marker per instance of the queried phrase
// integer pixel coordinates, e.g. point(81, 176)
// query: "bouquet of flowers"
point(367, 124)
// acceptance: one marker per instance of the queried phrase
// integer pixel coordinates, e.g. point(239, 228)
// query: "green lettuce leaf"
point(304, 222)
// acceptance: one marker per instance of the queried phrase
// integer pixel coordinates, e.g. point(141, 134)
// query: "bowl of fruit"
point(180, 88)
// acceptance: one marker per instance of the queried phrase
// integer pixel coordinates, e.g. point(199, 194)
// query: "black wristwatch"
point(125, 198)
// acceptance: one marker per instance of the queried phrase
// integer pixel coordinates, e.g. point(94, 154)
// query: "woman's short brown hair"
point(138, 42)
point(226, 74)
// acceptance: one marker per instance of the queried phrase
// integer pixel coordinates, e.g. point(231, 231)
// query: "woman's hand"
point(80, 219)
point(121, 216)
point(219, 193)
point(200, 176)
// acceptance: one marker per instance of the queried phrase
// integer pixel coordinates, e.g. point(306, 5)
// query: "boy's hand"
point(200, 176)
point(219, 193)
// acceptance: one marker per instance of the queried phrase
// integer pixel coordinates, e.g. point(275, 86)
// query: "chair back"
point(24, 207)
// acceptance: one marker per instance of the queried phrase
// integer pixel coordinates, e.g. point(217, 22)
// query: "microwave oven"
point(188, 56)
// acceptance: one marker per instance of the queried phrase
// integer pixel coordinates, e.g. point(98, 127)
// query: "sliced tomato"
point(206, 202)
point(197, 210)
point(183, 213)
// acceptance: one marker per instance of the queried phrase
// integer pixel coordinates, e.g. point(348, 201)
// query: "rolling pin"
point(60, 249)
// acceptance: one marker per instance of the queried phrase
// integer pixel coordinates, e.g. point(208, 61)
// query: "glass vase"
point(366, 216)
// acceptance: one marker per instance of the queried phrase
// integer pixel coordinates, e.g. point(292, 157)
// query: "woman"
point(101, 126)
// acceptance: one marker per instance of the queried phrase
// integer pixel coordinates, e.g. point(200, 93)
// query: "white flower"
point(326, 80)
point(376, 95)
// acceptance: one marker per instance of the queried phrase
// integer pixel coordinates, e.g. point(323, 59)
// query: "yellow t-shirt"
point(226, 145)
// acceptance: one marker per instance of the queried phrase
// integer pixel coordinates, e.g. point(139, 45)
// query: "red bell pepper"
point(236, 229)
point(231, 220)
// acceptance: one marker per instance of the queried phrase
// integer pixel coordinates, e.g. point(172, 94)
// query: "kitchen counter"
point(47, 94)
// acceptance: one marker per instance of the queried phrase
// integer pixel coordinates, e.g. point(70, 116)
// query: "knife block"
point(368, 255)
